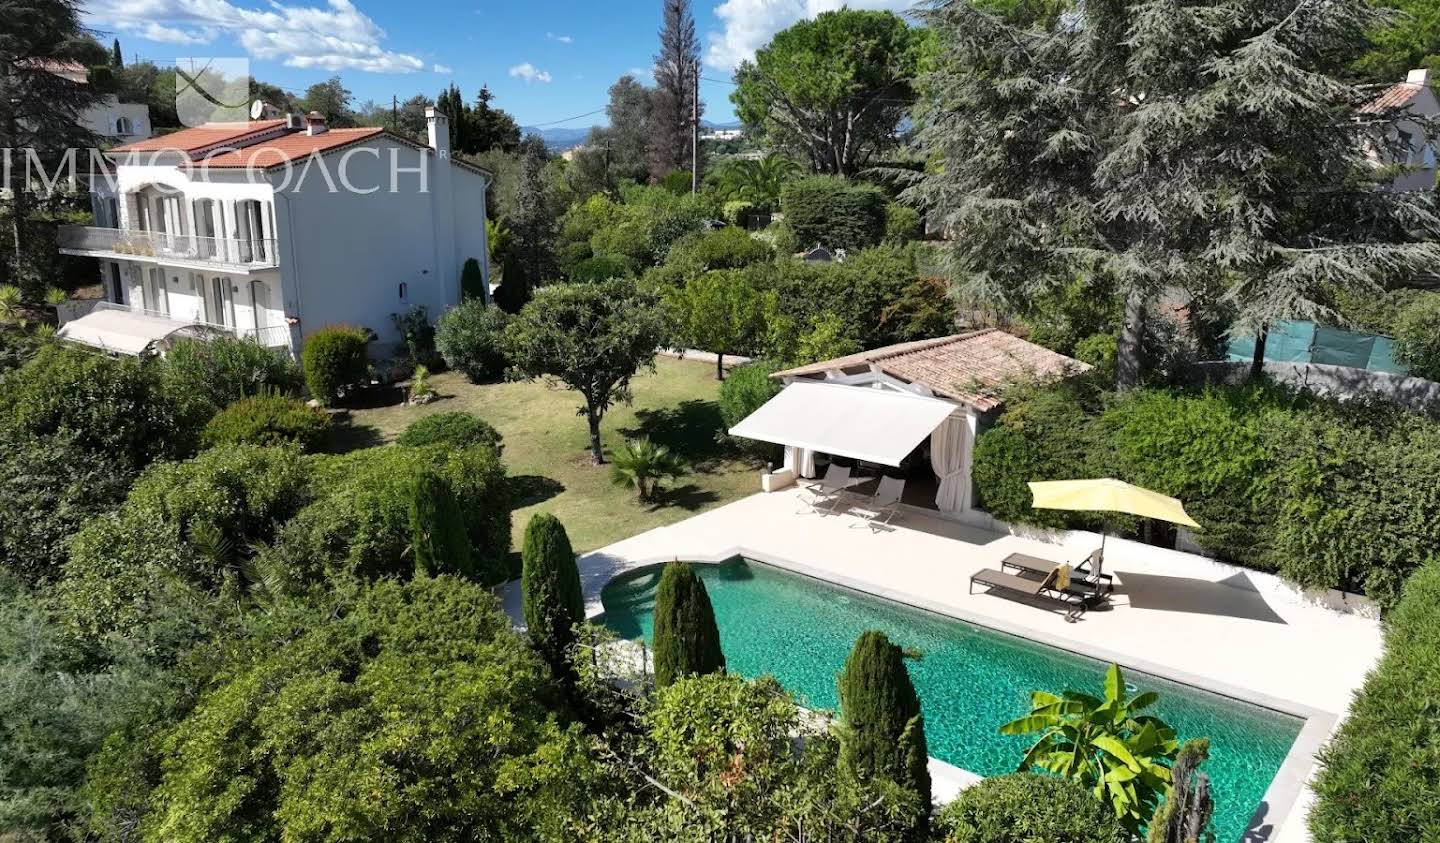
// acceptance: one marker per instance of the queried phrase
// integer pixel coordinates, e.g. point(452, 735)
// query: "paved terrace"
point(1240, 633)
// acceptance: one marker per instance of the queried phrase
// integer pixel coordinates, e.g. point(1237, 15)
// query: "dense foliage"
point(455, 429)
point(1417, 337)
point(593, 338)
point(297, 736)
point(1378, 772)
point(551, 598)
point(269, 419)
point(834, 213)
point(335, 360)
point(438, 541)
point(1026, 807)
point(743, 392)
point(686, 640)
point(1329, 495)
point(884, 731)
point(205, 375)
point(471, 339)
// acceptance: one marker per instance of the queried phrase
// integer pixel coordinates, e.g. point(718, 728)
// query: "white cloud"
point(643, 74)
point(750, 24)
point(563, 39)
point(442, 69)
point(335, 36)
point(174, 35)
point(530, 73)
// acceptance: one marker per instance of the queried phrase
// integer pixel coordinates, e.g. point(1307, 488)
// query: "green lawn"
point(547, 447)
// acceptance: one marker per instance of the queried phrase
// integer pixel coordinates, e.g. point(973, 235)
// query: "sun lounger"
point(1052, 591)
point(880, 507)
point(826, 493)
point(1037, 566)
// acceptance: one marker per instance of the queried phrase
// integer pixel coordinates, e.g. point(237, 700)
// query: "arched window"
point(123, 126)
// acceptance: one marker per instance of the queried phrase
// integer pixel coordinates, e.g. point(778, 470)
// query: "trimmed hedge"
point(470, 338)
point(1027, 808)
point(1379, 775)
point(269, 420)
point(456, 429)
point(834, 213)
point(335, 359)
point(602, 268)
point(203, 376)
point(721, 248)
point(551, 596)
point(902, 224)
point(1329, 495)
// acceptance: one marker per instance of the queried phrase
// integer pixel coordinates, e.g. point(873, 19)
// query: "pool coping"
point(1285, 788)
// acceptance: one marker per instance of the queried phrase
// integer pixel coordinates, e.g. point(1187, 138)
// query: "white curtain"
point(947, 458)
point(800, 460)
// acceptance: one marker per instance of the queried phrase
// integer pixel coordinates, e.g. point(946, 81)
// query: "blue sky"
point(545, 60)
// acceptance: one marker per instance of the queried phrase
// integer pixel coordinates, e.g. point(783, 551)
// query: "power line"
point(567, 119)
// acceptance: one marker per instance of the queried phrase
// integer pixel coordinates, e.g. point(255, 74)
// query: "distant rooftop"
point(965, 367)
point(202, 138)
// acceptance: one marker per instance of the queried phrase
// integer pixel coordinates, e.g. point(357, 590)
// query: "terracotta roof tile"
point(201, 138)
point(965, 367)
point(1393, 97)
point(295, 146)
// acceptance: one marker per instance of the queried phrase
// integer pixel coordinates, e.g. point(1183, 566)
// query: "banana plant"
point(1103, 743)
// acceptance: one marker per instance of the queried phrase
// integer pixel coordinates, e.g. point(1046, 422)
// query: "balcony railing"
point(254, 252)
point(273, 336)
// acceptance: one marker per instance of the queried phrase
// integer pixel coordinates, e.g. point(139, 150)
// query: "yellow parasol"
point(1108, 495)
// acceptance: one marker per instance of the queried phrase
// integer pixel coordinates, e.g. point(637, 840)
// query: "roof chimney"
point(438, 127)
point(1418, 76)
point(314, 123)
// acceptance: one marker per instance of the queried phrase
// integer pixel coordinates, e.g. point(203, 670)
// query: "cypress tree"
point(437, 528)
point(884, 734)
point(687, 642)
point(117, 58)
point(472, 280)
point(550, 588)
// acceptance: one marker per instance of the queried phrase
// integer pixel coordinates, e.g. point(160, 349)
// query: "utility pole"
point(695, 133)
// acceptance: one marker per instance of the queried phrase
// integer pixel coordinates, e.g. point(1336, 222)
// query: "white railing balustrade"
point(254, 251)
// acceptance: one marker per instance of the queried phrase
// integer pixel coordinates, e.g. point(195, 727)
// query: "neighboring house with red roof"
point(1415, 96)
point(272, 229)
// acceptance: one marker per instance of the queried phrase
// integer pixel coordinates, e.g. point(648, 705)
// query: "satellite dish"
point(257, 109)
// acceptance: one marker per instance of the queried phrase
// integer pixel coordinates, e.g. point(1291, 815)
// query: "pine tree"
point(117, 58)
point(472, 281)
point(1163, 145)
point(437, 528)
point(884, 730)
point(673, 106)
point(687, 642)
point(550, 588)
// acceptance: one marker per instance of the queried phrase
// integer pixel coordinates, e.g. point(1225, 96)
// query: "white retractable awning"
point(860, 422)
point(123, 331)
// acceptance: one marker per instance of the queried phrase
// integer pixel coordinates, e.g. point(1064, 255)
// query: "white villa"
point(1416, 95)
point(109, 119)
point(918, 404)
point(275, 228)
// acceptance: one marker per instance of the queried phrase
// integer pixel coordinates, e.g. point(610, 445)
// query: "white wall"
point(101, 119)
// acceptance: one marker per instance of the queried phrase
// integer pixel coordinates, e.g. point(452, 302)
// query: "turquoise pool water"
point(970, 679)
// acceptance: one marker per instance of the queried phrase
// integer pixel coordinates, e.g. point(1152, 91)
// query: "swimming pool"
point(970, 679)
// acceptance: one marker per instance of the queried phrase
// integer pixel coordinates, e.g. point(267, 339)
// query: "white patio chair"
point(883, 505)
point(830, 488)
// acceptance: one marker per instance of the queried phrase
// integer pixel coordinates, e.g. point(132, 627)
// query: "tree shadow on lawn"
point(691, 429)
point(688, 497)
point(347, 436)
point(530, 489)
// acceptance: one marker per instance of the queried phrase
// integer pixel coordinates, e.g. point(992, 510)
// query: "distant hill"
point(558, 139)
point(735, 124)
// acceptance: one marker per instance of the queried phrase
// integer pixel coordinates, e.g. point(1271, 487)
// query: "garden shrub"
point(335, 360)
point(902, 224)
point(551, 596)
point(470, 336)
point(677, 182)
point(738, 212)
point(1100, 351)
point(877, 293)
point(417, 334)
point(1025, 808)
point(361, 521)
point(269, 420)
point(1378, 775)
point(455, 429)
point(51, 489)
point(196, 520)
point(834, 213)
point(110, 405)
point(743, 392)
point(721, 248)
point(1417, 336)
point(602, 268)
point(687, 642)
point(437, 529)
point(472, 278)
point(205, 375)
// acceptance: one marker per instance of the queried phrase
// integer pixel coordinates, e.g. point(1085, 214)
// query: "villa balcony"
point(149, 325)
point(157, 247)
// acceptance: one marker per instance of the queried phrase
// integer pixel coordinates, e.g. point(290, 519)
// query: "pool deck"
point(1176, 615)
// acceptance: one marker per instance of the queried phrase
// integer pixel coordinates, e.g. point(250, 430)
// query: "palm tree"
point(11, 306)
point(641, 464)
point(758, 181)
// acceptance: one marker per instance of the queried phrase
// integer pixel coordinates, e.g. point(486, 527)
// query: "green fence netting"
point(1296, 341)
